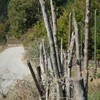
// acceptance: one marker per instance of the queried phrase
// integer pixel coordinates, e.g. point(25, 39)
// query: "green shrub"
point(98, 75)
point(2, 37)
point(94, 96)
point(33, 50)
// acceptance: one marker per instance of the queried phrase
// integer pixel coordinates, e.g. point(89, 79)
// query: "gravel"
point(12, 67)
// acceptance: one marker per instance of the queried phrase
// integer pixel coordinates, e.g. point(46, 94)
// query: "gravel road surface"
point(12, 67)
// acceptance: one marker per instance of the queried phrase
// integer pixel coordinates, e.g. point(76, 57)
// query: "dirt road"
point(12, 67)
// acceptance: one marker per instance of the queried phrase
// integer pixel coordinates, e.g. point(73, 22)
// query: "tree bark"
point(62, 58)
point(50, 37)
point(54, 23)
point(70, 28)
point(77, 47)
point(42, 62)
point(95, 42)
point(70, 52)
point(79, 89)
point(40, 91)
point(52, 46)
point(45, 56)
point(87, 30)
point(54, 30)
point(69, 65)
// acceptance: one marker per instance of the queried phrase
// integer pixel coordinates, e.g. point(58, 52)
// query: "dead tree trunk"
point(42, 63)
point(87, 28)
point(40, 91)
point(54, 23)
point(54, 29)
point(52, 46)
point(70, 28)
point(62, 56)
point(79, 89)
point(77, 47)
point(50, 37)
point(70, 52)
point(45, 56)
point(50, 67)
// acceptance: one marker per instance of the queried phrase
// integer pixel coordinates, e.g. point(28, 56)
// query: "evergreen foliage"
point(22, 15)
point(4, 23)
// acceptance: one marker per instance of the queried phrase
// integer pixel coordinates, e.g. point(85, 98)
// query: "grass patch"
point(94, 96)
point(23, 90)
point(94, 87)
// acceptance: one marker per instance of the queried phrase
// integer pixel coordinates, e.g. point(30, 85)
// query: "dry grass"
point(94, 86)
point(23, 90)
point(94, 83)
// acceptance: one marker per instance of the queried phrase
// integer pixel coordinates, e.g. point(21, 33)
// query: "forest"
point(23, 19)
point(62, 39)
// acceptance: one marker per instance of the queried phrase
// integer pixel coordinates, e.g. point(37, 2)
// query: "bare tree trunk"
point(54, 29)
point(42, 63)
point(70, 28)
point(35, 80)
point(52, 46)
point(62, 57)
point(79, 89)
point(95, 43)
point(77, 47)
point(70, 52)
point(50, 37)
point(46, 71)
point(87, 28)
point(47, 87)
point(51, 74)
point(45, 56)
point(50, 67)
point(54, 23)
point(69, 65)
point(65, 64)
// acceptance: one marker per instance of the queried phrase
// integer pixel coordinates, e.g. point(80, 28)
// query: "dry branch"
point(40, 91)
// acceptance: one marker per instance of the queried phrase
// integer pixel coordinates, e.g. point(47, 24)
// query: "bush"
point(23, 90)
point(2, 33)
point(94, 96)
point(33, 50)
point(2, 37)
point(98, 75)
